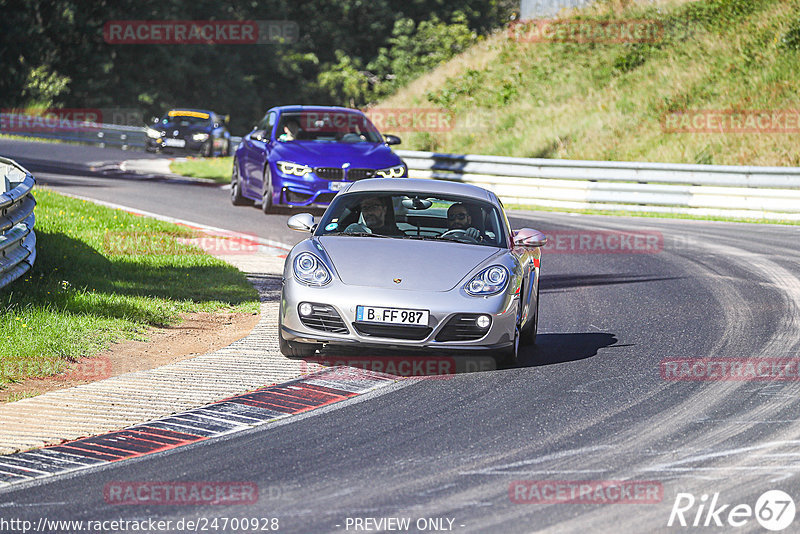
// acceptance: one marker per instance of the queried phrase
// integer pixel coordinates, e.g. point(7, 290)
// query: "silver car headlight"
point(152, 134)
point(392, 172)
point(310, 270)
point(296, 169)
point(199, 136)
point(489, 281)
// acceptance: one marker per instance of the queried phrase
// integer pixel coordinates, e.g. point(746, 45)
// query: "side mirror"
point(392, 139)
point(302, 222)
point(528, 237)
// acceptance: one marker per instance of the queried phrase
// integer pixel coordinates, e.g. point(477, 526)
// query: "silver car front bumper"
point(344, 299)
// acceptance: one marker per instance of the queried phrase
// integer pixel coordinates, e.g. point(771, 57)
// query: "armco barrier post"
point(17, 239)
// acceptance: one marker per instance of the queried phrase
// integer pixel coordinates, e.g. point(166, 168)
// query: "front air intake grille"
point(393, 331)
point(360, 174)
point(330, 173)
point(324, 198)
point(296, 198)
point(325, 318)
point(462, 327)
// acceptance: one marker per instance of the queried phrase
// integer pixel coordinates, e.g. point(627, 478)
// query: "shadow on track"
point(560, 348)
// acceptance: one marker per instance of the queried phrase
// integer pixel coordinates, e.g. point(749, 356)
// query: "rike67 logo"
point(774, 510)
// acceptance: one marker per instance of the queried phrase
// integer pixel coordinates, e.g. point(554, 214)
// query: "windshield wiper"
point(422, 237)
point(356, 234)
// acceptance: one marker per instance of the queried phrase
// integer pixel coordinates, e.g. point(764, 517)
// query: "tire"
point(236, 188)
point(508, 357)
point(292, 349)
point(529, 333)
point(208, 149)
point(227, 151)
point(266, 194)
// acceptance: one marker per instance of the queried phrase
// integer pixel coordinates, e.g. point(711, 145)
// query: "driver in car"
point(290, 130)
point(375, 212)
point(458, 218)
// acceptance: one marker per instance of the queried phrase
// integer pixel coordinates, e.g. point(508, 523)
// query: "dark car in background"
point(189, 131)
point(304, 155)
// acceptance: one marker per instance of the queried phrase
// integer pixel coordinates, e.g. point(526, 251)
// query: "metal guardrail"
point(712, 190)
point(715, 190)
point(113, 135)
point(17, 239)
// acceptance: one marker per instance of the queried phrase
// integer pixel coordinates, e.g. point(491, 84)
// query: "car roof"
point(314, 108)
point(419, 185)
point(193, 109)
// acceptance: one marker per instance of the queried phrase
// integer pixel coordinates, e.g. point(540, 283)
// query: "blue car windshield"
point(327, 126)
point(414, 216)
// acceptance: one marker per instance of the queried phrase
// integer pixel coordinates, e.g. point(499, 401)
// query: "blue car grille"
point(335, 174)
point(330, 173)
point(360, 174)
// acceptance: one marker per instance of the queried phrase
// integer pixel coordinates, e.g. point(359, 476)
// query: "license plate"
point(372, 314)
point(175, 142)
point(336, 186)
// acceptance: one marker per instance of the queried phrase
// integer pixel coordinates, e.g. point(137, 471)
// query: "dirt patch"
point(198, 333)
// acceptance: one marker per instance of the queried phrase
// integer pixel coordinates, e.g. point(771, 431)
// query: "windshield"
point(327, 126)
point(414, 216)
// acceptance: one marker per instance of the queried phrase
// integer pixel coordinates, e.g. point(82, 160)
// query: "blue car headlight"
point(199, 136)
point(296, 169)
point(489, 281)
point(310, 270)
point(152, 133)
point(392, 172)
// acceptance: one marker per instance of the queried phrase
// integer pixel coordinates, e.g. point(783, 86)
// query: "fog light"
point(483, 321)
point(306, 309)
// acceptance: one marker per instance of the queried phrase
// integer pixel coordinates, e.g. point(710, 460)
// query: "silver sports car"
point(411, 264)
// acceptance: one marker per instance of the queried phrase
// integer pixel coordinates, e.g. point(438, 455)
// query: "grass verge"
point(103, 275)
point(509, 96)
point(217, 169)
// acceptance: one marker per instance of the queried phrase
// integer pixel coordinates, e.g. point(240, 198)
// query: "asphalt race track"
point(588, 403)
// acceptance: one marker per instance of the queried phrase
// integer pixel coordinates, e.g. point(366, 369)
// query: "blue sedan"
point(303, 156)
